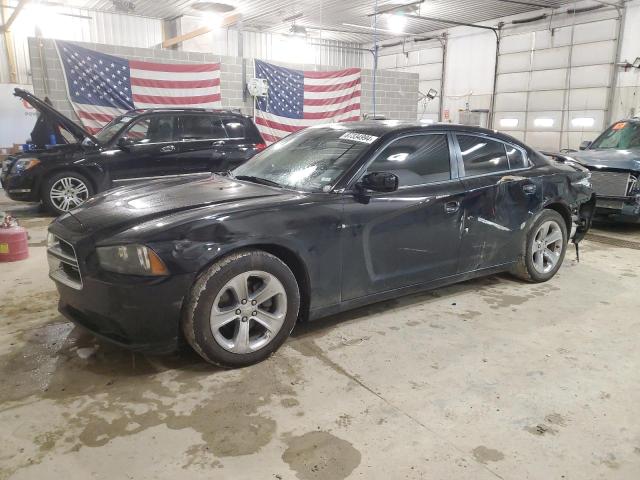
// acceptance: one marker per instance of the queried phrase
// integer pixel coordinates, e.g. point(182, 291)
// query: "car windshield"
point(311, 160)
point(621, 136)
point(113, 127)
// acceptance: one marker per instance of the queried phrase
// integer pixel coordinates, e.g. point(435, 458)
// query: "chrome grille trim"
point(611, 184)
point(62, 259)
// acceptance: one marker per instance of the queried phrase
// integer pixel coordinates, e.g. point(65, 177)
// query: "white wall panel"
point(595, 31)
point(513, 82)
point(588, 98)
point(508, 116)
point(543, 140)
point(592, 76)
point(426, 72)
point(575, 121)
point(547, 100)
point(548, 79)
point(592, 53)
point(430, 55)
point(533, 117)
point(558, 37)
point(511, 102)
point(514, 62)
point(551, 58)
point(516, 43)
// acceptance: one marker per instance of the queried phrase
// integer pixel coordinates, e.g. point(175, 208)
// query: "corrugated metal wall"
point(86, 26)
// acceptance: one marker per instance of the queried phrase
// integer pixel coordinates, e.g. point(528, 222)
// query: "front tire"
point(241, 309)
point(544, 248)
point(65, 191)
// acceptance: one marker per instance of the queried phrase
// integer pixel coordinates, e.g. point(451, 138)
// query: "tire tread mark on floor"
point(309, 348)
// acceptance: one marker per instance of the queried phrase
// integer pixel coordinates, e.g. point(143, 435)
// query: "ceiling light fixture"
point(396, 22)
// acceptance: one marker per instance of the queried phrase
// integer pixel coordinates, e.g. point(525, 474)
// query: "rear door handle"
point(529, 188)
point(218, 143)
point(452, 207)
point(168, 148)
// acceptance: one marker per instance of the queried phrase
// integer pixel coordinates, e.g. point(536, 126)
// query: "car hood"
point(124, 207)
point(615, 159)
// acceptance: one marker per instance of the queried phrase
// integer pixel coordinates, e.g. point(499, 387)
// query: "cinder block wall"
point(397, 92)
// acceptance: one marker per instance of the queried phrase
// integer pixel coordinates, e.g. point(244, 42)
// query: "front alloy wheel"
point(241, 309)
point(65, 191)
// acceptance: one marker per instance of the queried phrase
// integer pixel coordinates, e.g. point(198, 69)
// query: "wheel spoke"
point(552, 257)
point(220, 319)
point(239, 286)
point(272, 322)
point(241, 338)
point(554, 236)
point(538, 261)
point(269, 290)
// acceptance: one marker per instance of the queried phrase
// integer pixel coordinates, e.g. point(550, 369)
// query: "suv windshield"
point(111, 128)
point(311, 160)
point(621, 136)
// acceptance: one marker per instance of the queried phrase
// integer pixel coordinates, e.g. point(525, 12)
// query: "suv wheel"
point(241, 309)
point(65, 191)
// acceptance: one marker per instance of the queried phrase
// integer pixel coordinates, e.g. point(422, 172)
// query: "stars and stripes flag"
point(301, 98)
point(101, 86)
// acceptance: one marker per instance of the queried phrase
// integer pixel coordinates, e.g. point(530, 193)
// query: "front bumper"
point(619, 209)
point(141, 317)
point(21, 187)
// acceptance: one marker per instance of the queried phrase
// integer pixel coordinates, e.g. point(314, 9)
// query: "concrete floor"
point(492, 378)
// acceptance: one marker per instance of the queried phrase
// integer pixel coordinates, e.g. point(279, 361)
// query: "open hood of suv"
point(72, 127)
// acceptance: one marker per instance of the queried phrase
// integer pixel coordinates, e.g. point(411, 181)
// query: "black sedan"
point(326, 220)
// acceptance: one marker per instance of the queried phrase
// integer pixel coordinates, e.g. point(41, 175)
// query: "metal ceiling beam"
point(395, 7)
point(451, 22)
point(527, 4)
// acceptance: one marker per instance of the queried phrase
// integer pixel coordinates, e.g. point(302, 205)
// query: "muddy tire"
point(65, 191)
point(544, 248)
point(241, 309)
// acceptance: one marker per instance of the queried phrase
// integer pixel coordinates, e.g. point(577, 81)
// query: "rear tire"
point(544, 248)
point(65, 191)
point(241, 309)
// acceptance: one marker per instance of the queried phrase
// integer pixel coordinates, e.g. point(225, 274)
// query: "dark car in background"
point(135, 147)
point(325, 220)
point(614, 161)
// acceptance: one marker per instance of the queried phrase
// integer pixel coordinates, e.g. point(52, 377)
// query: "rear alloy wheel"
point(241, 309)
point(544, 249)
point(66, 191)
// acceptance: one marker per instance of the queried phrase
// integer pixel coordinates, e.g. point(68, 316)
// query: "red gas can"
point(14, 241)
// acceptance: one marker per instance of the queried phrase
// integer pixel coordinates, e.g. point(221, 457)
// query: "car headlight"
point(25, 164)
point(131, 260)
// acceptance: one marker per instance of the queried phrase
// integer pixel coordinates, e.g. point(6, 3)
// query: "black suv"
point(140, 145)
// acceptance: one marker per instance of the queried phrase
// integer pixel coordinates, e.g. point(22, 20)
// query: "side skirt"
point(399, 292)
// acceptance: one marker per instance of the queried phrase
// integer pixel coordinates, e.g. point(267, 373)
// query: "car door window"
point(160, 129)
point(235, 127)
point(517, 158)
point(202, 127)
point(481, 155)
point(415, 159)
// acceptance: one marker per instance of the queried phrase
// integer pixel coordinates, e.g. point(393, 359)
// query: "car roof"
point(380, 128)
point(143, 111)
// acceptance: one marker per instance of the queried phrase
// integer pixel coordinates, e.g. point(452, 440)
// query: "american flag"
point(301, 98)
point(101, 86)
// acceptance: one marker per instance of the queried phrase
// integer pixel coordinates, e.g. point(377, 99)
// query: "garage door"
point(553, 85)
point(427, 63)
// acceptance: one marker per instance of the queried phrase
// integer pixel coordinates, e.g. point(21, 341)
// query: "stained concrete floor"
point(491, 378)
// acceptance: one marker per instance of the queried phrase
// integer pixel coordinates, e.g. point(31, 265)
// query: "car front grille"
point(611, 184)
point(63, 263)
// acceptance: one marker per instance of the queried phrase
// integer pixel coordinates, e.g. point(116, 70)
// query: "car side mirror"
point(125, 143)
point(585, 145)
point(379, 182)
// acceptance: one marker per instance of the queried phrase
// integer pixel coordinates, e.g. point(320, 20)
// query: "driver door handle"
point(168, 148)
point(452, 207)
point(218, 143)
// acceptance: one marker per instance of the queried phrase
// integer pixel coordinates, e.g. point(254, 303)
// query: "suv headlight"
point(24, 164)
point(131, 260)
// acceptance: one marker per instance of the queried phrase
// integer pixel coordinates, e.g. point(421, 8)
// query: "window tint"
point(152, 130)
point(235, 127)
point(517, 159)
point(201, 127)
point(482, 155)
point(416, 160)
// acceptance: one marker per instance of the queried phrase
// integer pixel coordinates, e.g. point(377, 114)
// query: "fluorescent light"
point(544, 122)
point(583, 122)
point(396, 22)
point(213, 19)
point(509, 122)
point(427, 121)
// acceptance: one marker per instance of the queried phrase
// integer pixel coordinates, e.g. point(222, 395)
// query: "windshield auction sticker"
point(358, 137)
